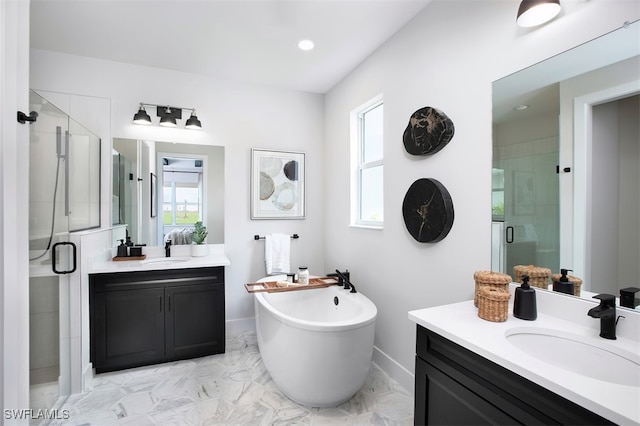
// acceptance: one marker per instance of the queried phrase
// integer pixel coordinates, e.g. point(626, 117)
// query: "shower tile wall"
point(44, 330)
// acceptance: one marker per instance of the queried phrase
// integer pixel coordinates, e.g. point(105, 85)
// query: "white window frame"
point(357, 163)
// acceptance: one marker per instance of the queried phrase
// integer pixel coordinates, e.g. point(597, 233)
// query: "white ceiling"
point(253, 41)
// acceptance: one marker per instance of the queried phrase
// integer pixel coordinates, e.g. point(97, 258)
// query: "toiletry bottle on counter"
point(524, 305)
point(563, 284)
point(122, 249)
point(303, 275)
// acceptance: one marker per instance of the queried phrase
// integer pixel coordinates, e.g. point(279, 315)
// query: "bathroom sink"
point(165, 260)
point(591, 357)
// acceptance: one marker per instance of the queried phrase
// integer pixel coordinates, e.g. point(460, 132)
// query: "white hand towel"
point(277, 249)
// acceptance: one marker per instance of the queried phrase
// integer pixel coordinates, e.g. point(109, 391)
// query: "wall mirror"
point(566, 164)
point(189, 187)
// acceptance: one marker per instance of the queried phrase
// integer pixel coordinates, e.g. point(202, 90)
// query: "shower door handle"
point(66, 174)
point(73, 257)
point(509, 234)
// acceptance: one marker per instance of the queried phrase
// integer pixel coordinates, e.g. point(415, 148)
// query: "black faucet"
point(341, 277)
point(345, 279)
point(606, 311)
point(167, 248)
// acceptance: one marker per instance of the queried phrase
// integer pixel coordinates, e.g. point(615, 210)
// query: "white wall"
point(236, 116)
point(589, 89)
point(629, 183)
point(14, 202)
point(447, 58)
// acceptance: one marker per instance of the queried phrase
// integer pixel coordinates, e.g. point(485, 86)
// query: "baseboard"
point(396, 371)
point(241, 325)
point(87, 378)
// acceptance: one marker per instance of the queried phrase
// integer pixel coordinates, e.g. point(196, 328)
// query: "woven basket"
point(490, 279)
point(493, 304)
point(577, 282)
point(538, 277)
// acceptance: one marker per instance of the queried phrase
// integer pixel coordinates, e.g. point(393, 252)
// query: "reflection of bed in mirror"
point(178, 236)
point(592, 233)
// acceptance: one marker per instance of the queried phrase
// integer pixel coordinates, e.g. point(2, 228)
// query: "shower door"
point(526, 206)
point(52, 258)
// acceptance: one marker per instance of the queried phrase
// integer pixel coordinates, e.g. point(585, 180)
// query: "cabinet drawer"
point(146, 279)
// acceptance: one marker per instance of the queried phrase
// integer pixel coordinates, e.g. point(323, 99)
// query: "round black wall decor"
point(428, 211)
point(428, 131)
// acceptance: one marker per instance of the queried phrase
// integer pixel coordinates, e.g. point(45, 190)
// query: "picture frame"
point(277, 184)
point(154, 196)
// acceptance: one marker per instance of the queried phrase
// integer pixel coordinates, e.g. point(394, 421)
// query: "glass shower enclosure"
point(64, 196)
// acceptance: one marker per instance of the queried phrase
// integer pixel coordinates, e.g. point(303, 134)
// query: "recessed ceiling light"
point(521, 107)
point(305, 44)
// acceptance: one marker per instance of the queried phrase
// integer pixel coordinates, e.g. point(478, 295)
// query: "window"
point(367, 206)
point(182, 191)
point(497, 195)
point(181, 203)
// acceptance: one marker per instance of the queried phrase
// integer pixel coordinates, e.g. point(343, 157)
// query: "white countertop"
point(459, 322)
point(216, 257)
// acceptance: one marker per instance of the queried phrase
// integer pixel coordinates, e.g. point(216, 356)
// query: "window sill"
point(363, 226)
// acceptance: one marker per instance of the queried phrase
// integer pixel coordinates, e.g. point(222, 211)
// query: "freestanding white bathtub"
point(316, 344)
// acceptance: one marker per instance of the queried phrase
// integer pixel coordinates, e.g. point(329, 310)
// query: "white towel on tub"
point(277, 250)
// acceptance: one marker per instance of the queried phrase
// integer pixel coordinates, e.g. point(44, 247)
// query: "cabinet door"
point(195, 320)
point(129, 328)
point(441, 400)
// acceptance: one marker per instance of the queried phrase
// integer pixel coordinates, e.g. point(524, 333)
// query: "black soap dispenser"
point(524, 305)
point(628, 298)
point(563, 285)
point(122, 249)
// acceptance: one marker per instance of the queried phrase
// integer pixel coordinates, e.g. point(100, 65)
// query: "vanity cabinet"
point(455, 386)
point(147, 317)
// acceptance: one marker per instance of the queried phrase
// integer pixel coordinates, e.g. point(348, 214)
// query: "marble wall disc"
point(428, 131)
point(428, 211)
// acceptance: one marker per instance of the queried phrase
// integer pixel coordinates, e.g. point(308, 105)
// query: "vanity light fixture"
point(168, 116)
point(193, 122)
point(141, 117)
point(536, 12)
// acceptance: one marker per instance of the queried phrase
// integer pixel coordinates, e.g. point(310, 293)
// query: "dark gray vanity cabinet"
point(147, 317)
point(455, 386)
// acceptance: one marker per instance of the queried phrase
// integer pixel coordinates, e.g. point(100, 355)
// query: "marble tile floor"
point(233, 388)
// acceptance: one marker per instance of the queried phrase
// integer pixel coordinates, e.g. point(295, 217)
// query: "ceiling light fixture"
point(168, 116)
point(536, 12)
point(305, 45)
point(520, 107)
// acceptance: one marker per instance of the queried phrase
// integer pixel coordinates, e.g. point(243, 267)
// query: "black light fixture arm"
point(166, 107)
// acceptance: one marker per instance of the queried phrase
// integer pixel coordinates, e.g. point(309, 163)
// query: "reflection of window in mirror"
point(497, 195)
point(182, 196)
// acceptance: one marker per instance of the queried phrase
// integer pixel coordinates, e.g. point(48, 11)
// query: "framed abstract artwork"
point(277, 184)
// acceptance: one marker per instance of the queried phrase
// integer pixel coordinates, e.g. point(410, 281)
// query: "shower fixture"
point(168, 116)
